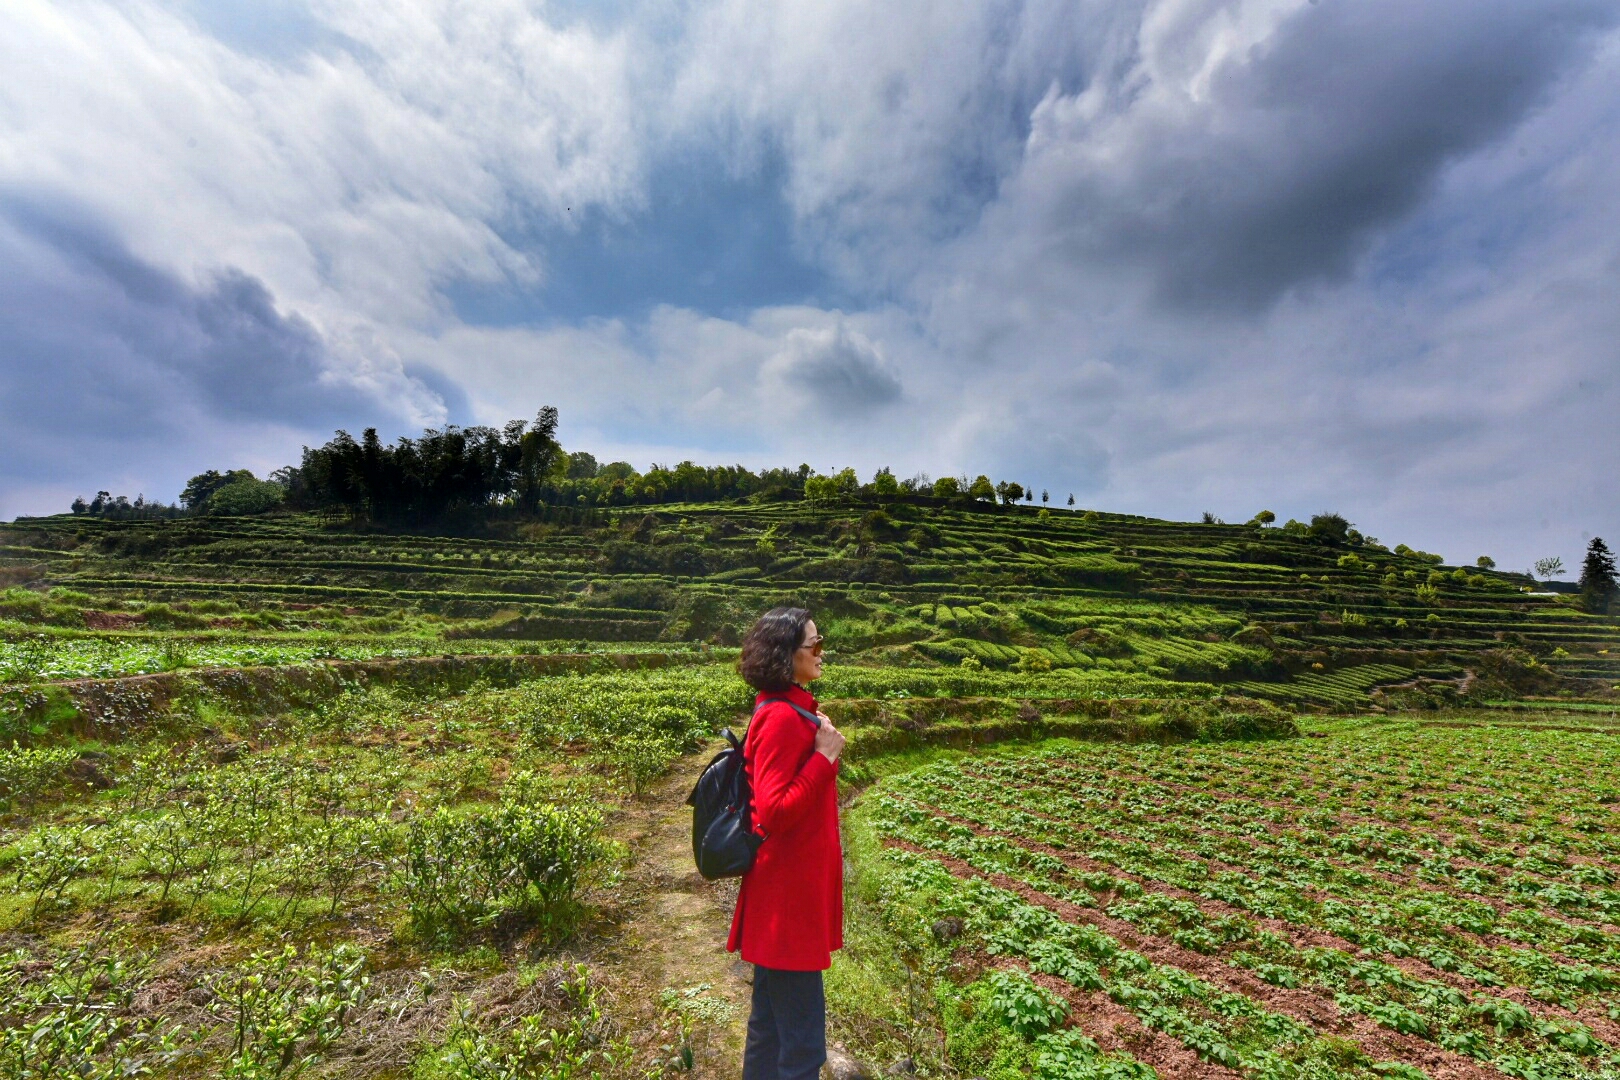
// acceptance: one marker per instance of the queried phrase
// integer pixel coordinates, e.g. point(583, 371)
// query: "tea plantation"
point(284, 796)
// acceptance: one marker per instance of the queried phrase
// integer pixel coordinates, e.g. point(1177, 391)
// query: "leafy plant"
point(283, 1011)
point(578, 1045)
point(1023, 1006)
point(466, 869)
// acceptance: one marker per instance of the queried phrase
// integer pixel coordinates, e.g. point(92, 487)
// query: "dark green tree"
point(1598, 583)
point(1329, 528)
point(537, 454)
point(201, 487)
point(582, 465)
point(884, 483)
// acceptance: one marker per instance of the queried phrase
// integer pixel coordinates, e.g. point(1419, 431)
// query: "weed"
point(466, 869)
point(580, 1046)
point(283, 1011)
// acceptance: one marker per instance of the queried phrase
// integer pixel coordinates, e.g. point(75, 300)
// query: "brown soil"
point(1306, 937)
point(1313, 1010)
point(673, 936)
point(112, 620)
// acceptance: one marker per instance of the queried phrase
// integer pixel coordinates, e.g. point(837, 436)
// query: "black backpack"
point(722, 844)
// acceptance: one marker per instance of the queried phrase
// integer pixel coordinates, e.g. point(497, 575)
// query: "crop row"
point(1289, 882)
point(1521, 984)
point(1558, 877)
point(47, 660)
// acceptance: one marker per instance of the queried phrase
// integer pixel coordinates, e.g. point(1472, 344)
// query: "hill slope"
point(899, 583)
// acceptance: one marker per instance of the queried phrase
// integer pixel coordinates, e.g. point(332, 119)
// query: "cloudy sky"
point(1167, 255)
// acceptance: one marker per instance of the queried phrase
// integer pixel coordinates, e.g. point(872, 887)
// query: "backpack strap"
point(815, 721)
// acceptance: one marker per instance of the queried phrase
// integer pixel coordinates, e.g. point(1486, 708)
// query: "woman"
point(790, 912)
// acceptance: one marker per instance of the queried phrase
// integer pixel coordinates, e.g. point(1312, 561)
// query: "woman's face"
point(806, 659)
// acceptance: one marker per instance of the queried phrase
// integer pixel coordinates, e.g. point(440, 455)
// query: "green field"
point(1125, 797)
point(1390, 898)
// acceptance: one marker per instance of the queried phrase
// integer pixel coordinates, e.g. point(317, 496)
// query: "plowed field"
point(1385, 900)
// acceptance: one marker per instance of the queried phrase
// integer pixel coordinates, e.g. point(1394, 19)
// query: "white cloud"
point(353, 179)
point(832, 369)
point(1168, 254)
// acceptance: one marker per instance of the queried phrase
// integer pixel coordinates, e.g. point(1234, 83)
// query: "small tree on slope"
point(1598, 584)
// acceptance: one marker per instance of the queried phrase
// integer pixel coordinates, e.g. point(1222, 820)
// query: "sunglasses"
point(814, 646)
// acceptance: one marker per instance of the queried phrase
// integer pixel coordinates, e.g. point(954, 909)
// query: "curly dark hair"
point(767, 650)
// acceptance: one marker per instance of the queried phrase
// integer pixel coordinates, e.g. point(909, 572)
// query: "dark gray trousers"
point(787, 1026)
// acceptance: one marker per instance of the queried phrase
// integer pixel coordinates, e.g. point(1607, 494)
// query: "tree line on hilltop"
point(522, 471)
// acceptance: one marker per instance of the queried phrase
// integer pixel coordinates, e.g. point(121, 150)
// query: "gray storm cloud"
point(1229, 174)
point(1179, 254)
point(98, 346)
point(840, 370)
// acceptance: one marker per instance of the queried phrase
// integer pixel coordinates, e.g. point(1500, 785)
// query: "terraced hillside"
point(1391, 901)
point(918, 583)
point(281, 796)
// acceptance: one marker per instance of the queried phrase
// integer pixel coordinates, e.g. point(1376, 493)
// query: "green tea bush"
point(48, 861)
point(284, 1011)
point(258, 838)
point(69, 1017)
point(681, 705)
point(579, 1044)
point(25, 772)
point(61, 607)
point(1218, 722)
point(637, 760)
point(164, 617)
point(972, 680)
point(464, 870)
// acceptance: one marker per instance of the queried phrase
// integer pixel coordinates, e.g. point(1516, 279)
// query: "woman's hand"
point(829, 740)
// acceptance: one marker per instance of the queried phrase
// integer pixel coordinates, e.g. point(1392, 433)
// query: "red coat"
point(790, 912)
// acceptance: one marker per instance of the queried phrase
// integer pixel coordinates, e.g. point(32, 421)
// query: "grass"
point(931, 585)
point(278, 798)
point(1142, 875)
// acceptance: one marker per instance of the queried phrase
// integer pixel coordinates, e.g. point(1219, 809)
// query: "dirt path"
point(674, 933)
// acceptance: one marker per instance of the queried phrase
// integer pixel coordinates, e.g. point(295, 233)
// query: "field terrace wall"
point(103, 708)
point(876, 727)
point(1322, 630)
